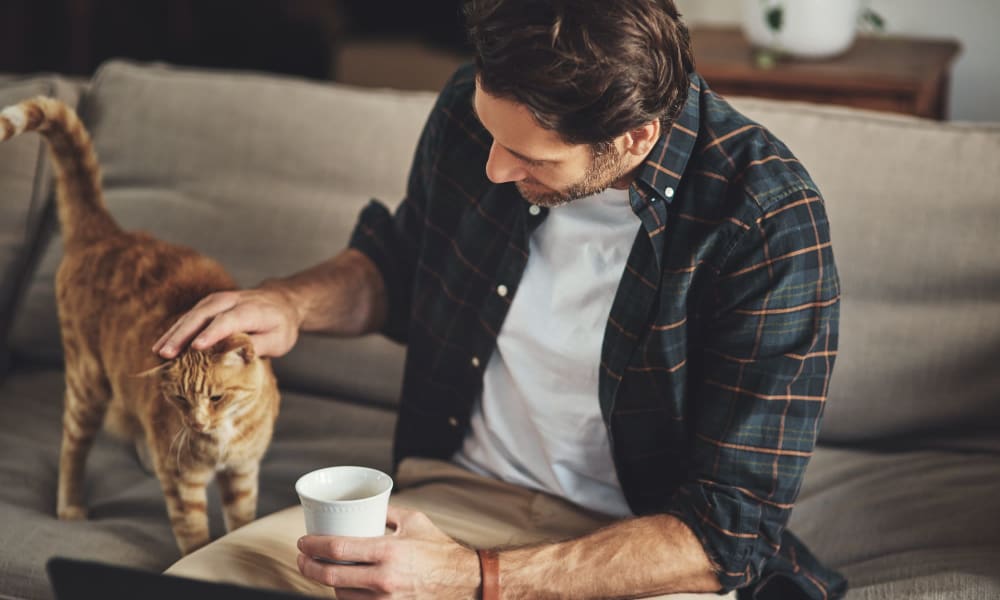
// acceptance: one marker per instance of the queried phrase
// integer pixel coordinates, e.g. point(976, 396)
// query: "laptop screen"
point(85, 580)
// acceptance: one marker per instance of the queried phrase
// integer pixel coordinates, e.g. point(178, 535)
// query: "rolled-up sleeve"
point(767, 358)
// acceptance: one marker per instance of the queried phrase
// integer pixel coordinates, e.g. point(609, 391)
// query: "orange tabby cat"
point(200, 416)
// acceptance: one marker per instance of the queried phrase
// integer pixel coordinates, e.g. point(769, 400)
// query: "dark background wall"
point(298, 37)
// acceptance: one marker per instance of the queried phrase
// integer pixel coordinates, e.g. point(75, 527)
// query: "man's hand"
point(268, 314)
point(344, 296)
point(417, 560)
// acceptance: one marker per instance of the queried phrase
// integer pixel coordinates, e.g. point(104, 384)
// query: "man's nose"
point(503, 167)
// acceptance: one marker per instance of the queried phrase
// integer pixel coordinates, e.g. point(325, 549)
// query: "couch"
point(267, 174)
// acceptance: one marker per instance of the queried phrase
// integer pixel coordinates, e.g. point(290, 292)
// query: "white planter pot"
point(810, 28)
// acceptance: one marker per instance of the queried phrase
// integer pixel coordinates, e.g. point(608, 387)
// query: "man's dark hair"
point(590, 70)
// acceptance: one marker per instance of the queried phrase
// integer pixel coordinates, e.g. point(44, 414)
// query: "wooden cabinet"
point(896, 74)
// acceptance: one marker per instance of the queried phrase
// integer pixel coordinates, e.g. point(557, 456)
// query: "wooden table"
point(896, 74)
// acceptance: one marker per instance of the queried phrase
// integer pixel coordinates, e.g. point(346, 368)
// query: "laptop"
point(86, 580)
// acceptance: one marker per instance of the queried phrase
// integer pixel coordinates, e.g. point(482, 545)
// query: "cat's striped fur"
point(202, 416)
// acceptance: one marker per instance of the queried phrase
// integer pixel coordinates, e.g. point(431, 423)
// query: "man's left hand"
point(417, 560)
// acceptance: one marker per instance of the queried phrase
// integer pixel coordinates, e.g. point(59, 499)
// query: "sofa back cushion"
point(265, 174)
point(25, 187)
point(914, 208)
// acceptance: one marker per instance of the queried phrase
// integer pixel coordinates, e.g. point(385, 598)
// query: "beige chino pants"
point(478, 511)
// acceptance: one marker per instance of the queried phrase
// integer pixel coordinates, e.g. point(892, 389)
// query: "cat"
point(204, 415)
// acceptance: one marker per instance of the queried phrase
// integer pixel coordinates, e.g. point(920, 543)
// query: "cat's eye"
point(181, 399)
point(215, 399)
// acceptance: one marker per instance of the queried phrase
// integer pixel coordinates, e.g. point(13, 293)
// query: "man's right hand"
point(268, 315)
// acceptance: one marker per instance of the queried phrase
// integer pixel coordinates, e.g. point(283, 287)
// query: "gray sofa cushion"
point(128, 522)
point(914, 220)
point(914, 524)
point(265, 174)
point(25, 186)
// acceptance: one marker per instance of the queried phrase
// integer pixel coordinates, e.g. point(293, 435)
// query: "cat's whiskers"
point(173, 443)
point(186, 437)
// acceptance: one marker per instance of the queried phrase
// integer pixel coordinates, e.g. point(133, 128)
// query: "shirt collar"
point(660, 174)
point(663, 168)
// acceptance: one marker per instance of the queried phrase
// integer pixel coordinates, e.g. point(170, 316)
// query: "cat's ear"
point(158, 369)
point(236, 350)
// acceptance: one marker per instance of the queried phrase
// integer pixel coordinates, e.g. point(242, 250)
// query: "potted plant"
point(810, 29)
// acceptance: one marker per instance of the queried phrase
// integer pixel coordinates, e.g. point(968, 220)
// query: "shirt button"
point(669, 192)
point(534, 210)
point(502, 291)
point(453, 421)
point(475, 361)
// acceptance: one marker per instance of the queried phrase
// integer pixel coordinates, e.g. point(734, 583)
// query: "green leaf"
point(874, 19)
point(775, 16)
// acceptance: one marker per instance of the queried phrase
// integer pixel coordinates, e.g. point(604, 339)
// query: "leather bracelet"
point(489, 567)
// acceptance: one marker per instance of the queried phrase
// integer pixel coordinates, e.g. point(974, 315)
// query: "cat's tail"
point(83, 216)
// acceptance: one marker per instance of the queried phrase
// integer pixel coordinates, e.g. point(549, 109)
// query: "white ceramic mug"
point(345, 501)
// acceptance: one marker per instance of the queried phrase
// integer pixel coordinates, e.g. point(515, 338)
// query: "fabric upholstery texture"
point(889, 518)
point(914, 210)
point(267, 174)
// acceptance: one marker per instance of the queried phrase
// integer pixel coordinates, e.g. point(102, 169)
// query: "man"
point(620, 305)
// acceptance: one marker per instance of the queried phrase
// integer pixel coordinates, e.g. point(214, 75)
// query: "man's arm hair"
point(341, 296)
point(636, 557)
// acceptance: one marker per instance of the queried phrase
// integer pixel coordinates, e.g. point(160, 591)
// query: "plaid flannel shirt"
point(720, 342)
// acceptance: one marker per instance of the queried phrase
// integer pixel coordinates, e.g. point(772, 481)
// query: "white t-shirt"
point(539, 422)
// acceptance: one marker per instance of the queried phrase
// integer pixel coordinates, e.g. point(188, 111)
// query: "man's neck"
point(633, 167)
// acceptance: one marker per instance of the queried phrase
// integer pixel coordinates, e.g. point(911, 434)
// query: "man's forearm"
point(637, 557)
point(341, 296)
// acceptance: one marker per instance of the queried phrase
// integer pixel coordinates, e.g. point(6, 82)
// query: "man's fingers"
point(158, 347)
point(359, 550)
point(395, 516)
point(406, 521)
point(357, 577)
point(178, 336)
point(223, 314)
point(240, 319)
point(221, 327)
point(185, 328)
point(267, 344)
point(348, 594)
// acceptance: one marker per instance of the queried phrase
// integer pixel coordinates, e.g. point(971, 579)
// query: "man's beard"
point(607, 167)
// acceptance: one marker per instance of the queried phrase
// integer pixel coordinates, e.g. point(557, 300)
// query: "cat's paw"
point(72, 513)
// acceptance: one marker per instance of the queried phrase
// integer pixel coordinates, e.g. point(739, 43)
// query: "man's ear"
point(235, 351)
point(160, 368)
point(640, 140)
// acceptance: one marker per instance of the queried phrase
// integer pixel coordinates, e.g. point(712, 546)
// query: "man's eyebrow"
point(527, 159)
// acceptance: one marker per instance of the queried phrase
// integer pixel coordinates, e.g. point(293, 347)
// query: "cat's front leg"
point(187, 505)
point(83, 411)
point(238, 486)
